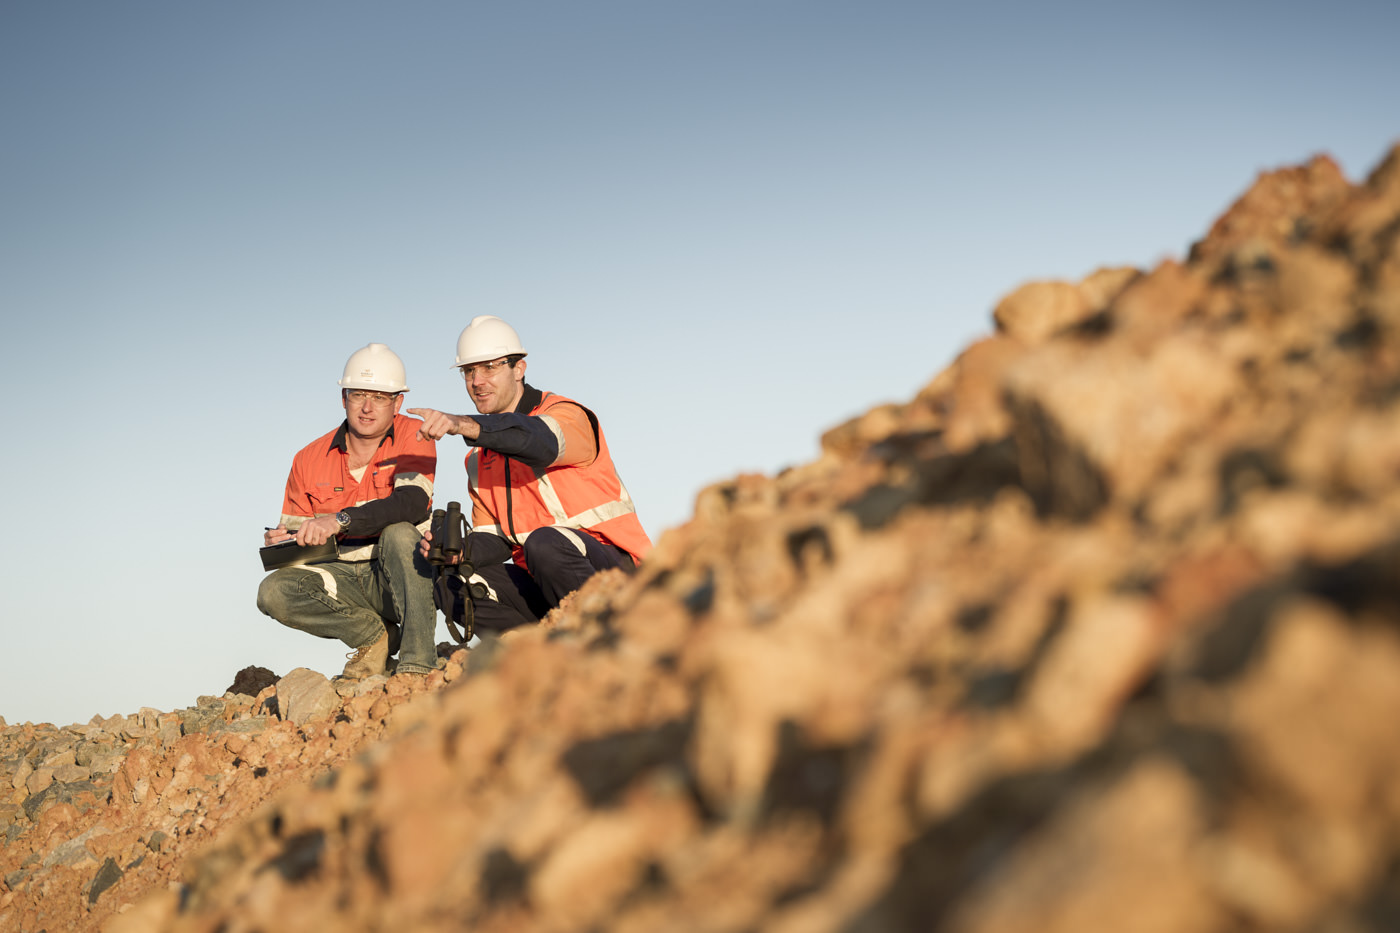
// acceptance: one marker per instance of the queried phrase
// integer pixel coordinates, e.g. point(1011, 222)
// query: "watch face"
point(343, 518)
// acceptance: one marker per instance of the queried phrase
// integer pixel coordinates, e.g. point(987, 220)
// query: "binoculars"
point(449, 533)
point(449, 530)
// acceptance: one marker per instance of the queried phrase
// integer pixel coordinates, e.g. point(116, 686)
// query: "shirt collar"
point(529, 400)
point(339, 443)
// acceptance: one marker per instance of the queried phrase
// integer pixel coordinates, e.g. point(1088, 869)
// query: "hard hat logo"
point(487, 337)
point(375, 368)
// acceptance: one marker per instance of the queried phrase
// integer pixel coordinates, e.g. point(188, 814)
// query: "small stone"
point(61, 758)
point(169, 732)
point(304, 695)
point(109, 874)
point(200, 719)
point(1037, 310)
point(39, 780)
point(251, 681)
point(22, 773)
point(251, 726)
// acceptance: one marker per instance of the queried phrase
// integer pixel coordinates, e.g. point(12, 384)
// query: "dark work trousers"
point(560, 561)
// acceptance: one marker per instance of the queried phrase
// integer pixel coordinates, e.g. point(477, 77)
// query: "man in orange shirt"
point(545, 494)
point(369, 485)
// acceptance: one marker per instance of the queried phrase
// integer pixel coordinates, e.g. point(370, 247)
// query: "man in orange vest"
point(369, 485)
point(544, 491)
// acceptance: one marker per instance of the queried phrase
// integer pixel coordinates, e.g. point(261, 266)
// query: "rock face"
point(1098, 632)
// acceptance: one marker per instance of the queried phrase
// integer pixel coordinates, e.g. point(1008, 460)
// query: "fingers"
point(436, 424)
point(317, 531)
point(277, 535)
point(424, 431)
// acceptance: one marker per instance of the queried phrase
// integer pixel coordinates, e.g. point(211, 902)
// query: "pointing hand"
point(438, 424)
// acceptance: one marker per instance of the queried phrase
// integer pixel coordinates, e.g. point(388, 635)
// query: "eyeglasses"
point(377, 399)
point(486, 369)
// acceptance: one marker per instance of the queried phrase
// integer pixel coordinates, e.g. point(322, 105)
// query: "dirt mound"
point(1098, 632)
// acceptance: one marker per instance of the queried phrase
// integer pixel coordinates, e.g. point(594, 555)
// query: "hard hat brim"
point(478, 358)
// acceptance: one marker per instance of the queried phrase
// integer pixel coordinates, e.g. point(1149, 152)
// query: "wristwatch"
point(343, 518)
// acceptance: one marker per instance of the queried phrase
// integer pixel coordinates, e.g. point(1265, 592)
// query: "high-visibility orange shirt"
point(320, 482)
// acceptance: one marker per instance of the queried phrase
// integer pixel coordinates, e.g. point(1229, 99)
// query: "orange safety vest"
point(511, 500)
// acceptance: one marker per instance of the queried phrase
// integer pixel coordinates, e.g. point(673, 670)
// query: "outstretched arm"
point(438, 424)
point(565, 436)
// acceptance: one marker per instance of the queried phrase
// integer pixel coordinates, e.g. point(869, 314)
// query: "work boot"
point(368, 660)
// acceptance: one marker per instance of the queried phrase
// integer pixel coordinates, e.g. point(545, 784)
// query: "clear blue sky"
point(725, 226)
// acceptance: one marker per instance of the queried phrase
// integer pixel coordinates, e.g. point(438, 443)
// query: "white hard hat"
point(374, 367)
point(487, 337)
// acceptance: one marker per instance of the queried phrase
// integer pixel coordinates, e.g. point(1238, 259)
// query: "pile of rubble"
point(1096, 632)
point(102, 813)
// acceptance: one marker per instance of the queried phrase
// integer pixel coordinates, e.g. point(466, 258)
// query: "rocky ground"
point(1098, 632)
point(104, 812)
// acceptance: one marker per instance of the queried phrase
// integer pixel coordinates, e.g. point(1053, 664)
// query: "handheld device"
point(291, 554)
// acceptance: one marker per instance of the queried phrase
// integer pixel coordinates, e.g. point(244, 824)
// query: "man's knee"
point(275, 594)
point(552, 545)
point(398, 539)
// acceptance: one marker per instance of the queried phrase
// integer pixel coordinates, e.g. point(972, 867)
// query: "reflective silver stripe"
point(558, 433)
point(490, 590)
point(363, 552)
point(585, 519)
point(551, 500)
point(590, 517)
point(325, 576)
point(577, 540)
point(472, 468)
point(414, 479)
point(491, 529)
point(605, 512)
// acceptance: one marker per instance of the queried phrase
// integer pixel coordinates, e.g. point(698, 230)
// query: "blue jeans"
point(352, 600)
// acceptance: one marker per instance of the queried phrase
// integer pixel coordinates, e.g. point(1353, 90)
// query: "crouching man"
point(548, 507)
point(369, 484)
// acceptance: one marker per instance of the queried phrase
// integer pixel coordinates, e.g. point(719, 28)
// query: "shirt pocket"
point(325, 499)
point(382, 480)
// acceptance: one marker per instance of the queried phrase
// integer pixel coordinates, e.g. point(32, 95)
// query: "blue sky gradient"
point(726, 227)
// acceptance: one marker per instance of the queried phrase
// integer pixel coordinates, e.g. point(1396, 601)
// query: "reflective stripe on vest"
point(541, 502)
